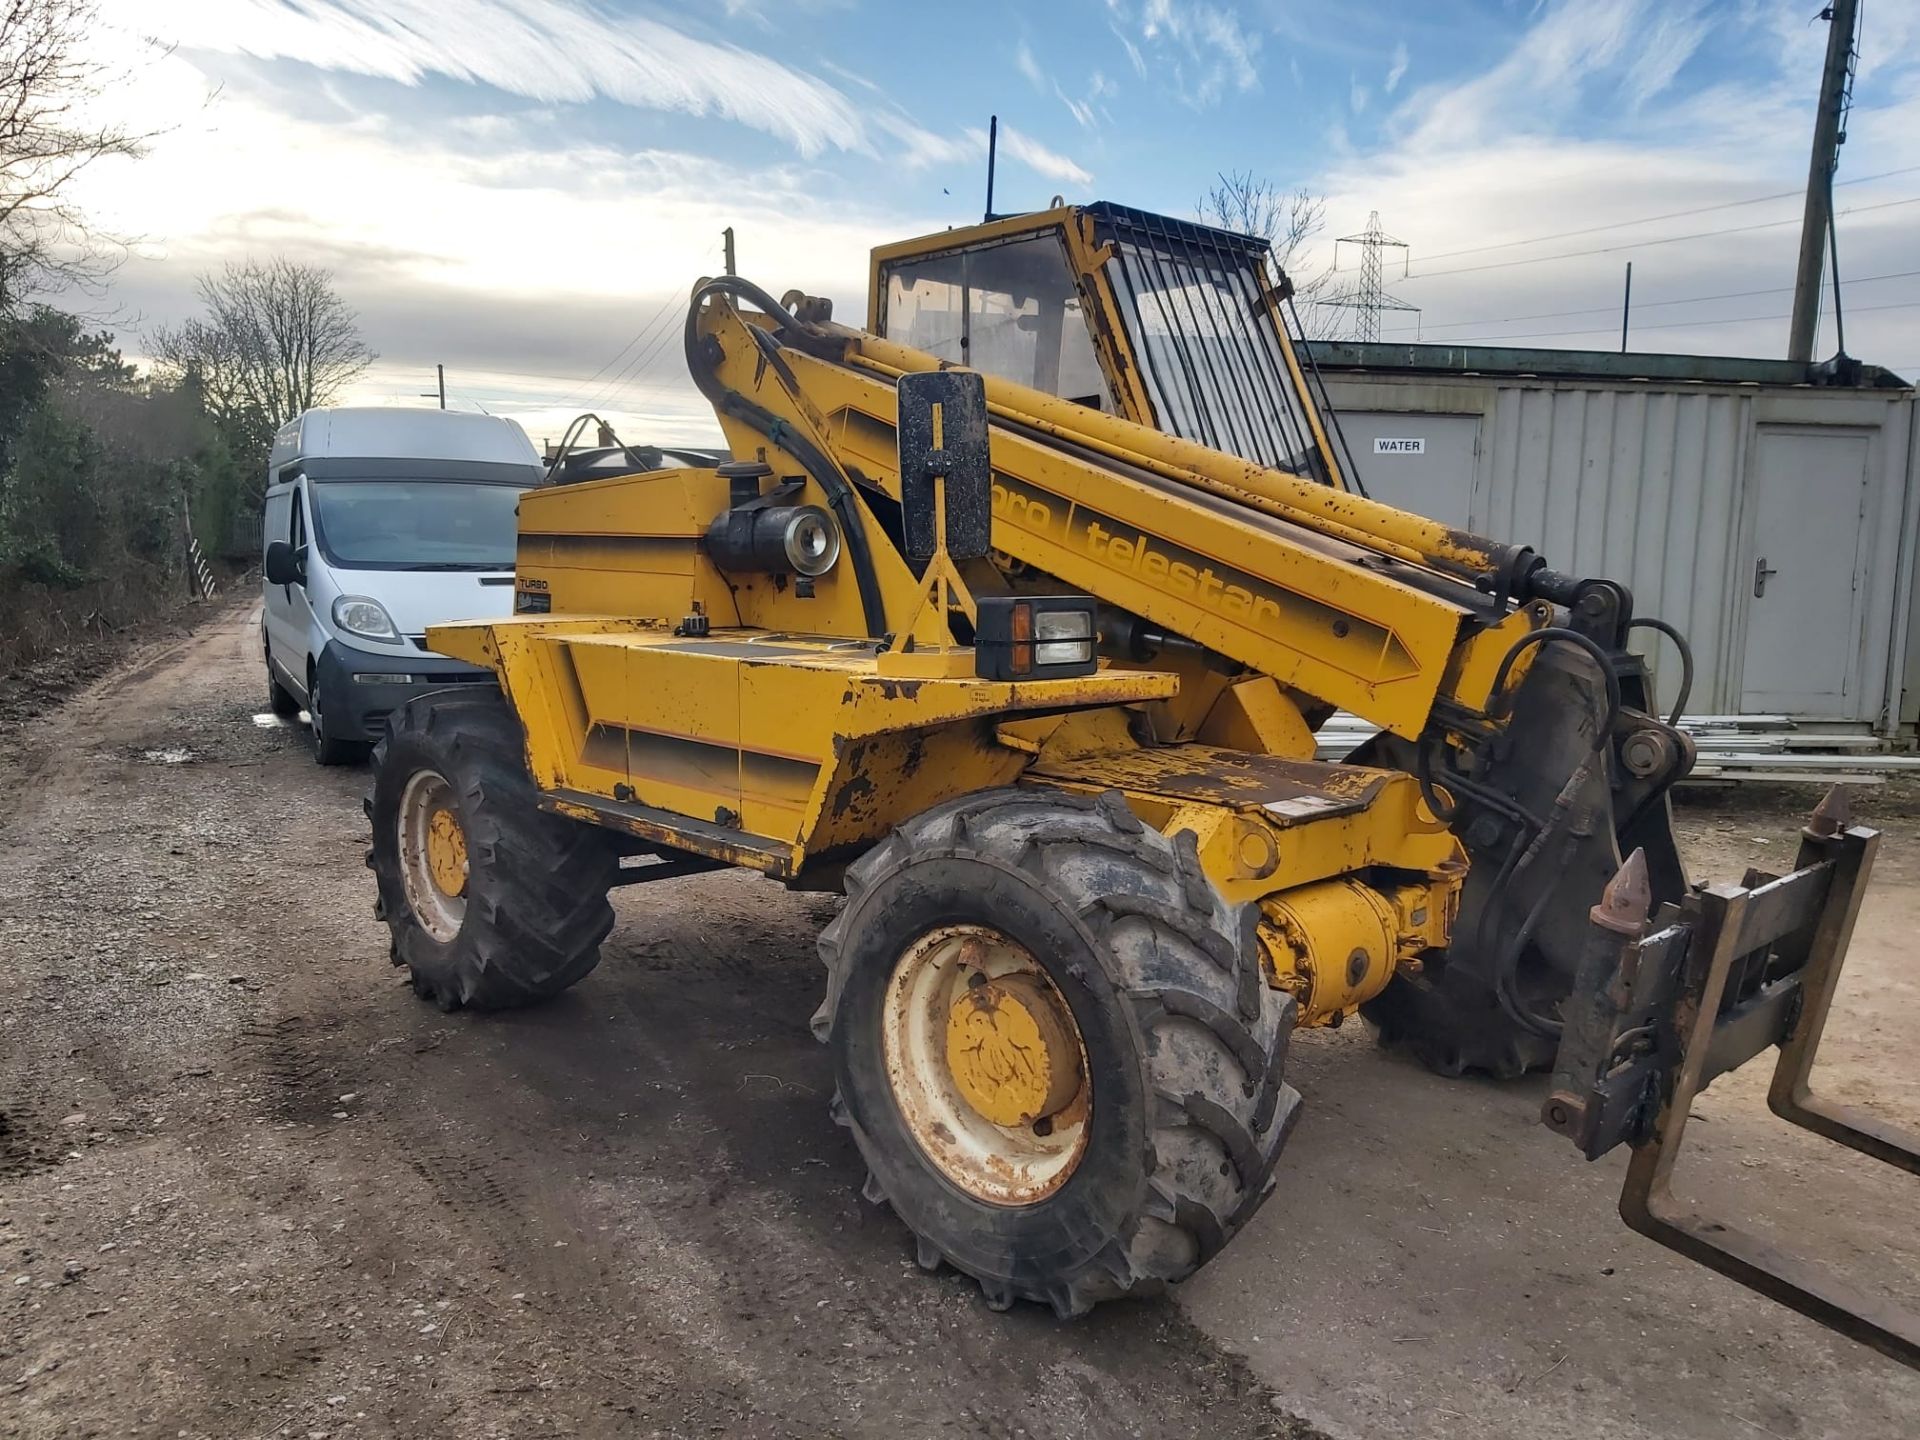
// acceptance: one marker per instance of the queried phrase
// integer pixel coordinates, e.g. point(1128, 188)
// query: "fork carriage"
point(1665, 1003)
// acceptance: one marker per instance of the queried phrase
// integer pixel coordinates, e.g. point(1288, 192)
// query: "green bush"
point(101, 470)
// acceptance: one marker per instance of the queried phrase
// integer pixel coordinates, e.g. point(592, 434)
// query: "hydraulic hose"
point(1686, 661)
point(817, 464)
point(1562, 634)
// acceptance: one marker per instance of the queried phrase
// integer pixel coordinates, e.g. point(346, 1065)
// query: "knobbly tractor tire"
point(1446, 1017)
point(1054, 1047)
point(1453, 1025)
point(491, 902)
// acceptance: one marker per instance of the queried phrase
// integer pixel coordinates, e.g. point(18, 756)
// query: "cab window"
point(1009, 309)
point(297, 525)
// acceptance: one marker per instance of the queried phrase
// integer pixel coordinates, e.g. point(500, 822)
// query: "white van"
point(379, 523)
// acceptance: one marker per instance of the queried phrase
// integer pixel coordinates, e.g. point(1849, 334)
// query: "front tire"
point(491, 902)
point(1119, 957)
point(328, 749)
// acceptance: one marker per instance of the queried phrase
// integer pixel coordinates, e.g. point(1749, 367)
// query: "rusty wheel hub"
point(987, 1064)
point(433, 855)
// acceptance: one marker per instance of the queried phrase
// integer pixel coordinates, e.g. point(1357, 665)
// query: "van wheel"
point(280, 700)
point(491, 901)
point(327, 749)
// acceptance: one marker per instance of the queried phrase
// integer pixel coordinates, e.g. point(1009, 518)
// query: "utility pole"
point(441, 371)
point(726, 241)
point(1626, 308)
point(1841, 17)
point(993, 144)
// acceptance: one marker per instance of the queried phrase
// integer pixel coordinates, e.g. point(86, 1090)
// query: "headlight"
point(810, 541)
point(365, 617)
point(1034, 637)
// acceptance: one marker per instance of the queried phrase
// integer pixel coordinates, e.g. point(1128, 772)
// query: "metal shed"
point(1767, 509)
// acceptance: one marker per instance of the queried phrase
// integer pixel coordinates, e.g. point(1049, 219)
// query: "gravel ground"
point(250, 1187)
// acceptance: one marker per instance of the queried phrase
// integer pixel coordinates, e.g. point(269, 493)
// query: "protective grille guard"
point(1659, 1010)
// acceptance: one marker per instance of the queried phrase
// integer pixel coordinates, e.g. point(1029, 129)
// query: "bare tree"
point(48, 81)
point(1288, 220)
point(276, 339)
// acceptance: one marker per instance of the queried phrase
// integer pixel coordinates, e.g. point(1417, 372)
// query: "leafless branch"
point(1288, 220)
point(276, 339)
point(49, 81)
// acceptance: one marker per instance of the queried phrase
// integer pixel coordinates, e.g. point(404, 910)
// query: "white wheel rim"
point(1004, 1164)
point(430, 858)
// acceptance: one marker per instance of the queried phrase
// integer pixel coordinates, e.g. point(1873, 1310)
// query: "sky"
point(526, 190)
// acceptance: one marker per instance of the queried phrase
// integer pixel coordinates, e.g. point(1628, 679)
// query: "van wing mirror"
point(285, 565)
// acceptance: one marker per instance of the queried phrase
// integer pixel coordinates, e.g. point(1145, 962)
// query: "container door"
point(1422, 463)
point(1801, 581)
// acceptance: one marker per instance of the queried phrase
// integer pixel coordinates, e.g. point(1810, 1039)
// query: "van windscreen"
point(415, 524)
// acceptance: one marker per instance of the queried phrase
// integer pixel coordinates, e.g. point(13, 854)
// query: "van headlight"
point(366, 617)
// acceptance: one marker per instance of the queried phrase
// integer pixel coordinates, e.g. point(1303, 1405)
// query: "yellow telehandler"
point(1013, 616)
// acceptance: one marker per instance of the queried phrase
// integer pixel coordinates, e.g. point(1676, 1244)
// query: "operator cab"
point(1164, 322)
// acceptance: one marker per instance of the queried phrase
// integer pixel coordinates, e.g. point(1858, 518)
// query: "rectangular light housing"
point(1035, 637)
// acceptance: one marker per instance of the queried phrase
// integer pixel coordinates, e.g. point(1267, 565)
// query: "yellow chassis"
point(790, 754)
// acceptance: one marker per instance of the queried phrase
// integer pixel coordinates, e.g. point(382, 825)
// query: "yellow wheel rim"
point(447, 853)
point(987, 1066)
point(433, 855)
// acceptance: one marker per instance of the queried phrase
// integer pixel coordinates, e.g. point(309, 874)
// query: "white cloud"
point(1541, 77)
point(1667, 45)
point(1203, 49)
point(556, 53)
point(1357, 94)
point(1397, 71)
point(1515, 152)
point(522, 261)
point(1033, 154)
point(924, 148)
point(543, 49)
point(1024, 62)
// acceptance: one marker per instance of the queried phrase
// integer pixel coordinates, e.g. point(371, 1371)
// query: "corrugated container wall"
point(1772, 524)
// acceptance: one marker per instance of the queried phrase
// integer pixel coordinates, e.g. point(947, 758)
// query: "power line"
point(1661, 240)
point(588, 382)
point(641, 362)
point(648, 341)
point(1641, 305)
point(1669, 215)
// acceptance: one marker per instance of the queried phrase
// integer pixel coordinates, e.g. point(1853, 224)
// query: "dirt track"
point(254, 1188)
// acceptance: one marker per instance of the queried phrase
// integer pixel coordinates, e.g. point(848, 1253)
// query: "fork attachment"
point(1662, 1007)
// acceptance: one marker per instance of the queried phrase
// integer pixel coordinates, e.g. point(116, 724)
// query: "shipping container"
point(1766, 509)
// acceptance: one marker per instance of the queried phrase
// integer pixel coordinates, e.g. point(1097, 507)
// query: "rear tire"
point(1452, 1025)
point(1183, 1043)
point(280, 700)
point(528, 921)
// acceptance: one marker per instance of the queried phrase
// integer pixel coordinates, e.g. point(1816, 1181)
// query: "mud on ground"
point(249, 1186)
